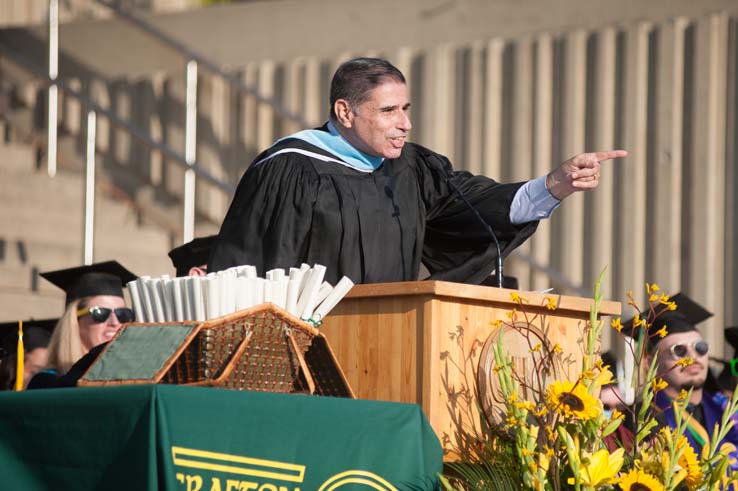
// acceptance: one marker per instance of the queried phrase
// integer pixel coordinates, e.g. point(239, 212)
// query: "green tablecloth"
point(152, 437)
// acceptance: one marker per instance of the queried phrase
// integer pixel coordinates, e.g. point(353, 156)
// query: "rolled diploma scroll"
point(178, 298)
point(156, 300)
point(197, 301)
point(165, 292)
point(188, 299)
point(243, 293)
point(210, 296)
point(246, 271)
point(133, 292)
point(257, 289)
point(293, 288)
point(325, 290)
point(226, 292)
point(279, 292)
point(339, 291)
point(306, 302)
point(144, 290)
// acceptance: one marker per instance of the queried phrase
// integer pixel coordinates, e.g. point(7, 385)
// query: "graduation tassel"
point(21, 358)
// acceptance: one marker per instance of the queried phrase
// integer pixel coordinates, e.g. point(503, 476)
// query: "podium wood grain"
point(397, 342)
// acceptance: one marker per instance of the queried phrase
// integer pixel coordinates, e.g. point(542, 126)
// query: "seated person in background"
point(95, 310)
point(191, 259)
point(36, 335)
point(683, 340)
point(358, 198)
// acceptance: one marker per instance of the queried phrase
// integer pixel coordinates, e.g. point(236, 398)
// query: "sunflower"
point(637, 480)
point(688, 460)
point(573, 400)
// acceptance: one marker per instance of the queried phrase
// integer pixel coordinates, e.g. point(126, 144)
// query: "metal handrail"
point(190, 54)
point(117, 121)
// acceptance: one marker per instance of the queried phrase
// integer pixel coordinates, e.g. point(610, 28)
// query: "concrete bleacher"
point(41, 225)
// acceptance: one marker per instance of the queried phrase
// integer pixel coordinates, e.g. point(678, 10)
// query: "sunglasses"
point(101, 314)
point(681, 350)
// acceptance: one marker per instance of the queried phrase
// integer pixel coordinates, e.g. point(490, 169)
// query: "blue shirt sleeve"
point(532, 202)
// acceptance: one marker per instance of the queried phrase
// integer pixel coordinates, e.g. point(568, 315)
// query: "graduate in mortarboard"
point(191, 259)
point(36, 336)
point(95, 309)
point(683, 341)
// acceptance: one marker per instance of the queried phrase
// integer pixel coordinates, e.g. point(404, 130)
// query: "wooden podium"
point(420, 342)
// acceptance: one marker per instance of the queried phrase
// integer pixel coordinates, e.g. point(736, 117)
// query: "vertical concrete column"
point(665, 192)
point(492, 165)
point(474, 140)
point(292, 94)
point(571, 214)
point(265, 113)
point(601, 234)
point(315, 110)
point(707, 200)
point(438, 124)
point(248, 114)
point(632, 214)
point(542, 158)
point(731, 182)
point(521, 164)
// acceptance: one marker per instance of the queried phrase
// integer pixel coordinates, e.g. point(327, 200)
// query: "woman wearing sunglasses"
point(95, 310)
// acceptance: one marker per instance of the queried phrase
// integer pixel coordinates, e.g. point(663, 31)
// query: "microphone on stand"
point(487, 227)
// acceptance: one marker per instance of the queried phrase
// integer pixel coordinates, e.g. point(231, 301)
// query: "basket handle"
point(301, 359)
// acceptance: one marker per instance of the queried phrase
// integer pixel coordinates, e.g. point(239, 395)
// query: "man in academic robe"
point(356, 197)
point(705, 407)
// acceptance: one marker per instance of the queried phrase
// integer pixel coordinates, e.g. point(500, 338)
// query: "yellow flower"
point(517, 298)
point(684, 362)
point(659, 384)
point(557, 348)
point(637, 480)
point(616, 324)
point(688, 461)
point(664, 299)
point(573, 400)
point(536, 348)
point(603, 378)
point(511, 315)
point(602, 468)
point(682, 395)
point(551, 303)
point(662, 332)
point(617, 415)
point(653, 298)
point(653, 288)
point(496, 324)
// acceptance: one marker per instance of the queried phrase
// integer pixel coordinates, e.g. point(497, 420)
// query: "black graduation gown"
point(372, 227)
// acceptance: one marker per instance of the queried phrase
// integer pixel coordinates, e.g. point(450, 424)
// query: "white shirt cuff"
point(532, 202)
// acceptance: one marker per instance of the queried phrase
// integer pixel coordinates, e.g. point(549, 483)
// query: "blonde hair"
point(65, 346)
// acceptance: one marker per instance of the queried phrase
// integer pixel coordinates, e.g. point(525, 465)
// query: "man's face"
point(678, 378)
point(379, 125)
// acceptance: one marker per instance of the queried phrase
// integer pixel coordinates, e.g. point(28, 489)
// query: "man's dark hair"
point(355, 78)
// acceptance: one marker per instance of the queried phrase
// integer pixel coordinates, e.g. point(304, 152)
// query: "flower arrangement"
point(561, 438)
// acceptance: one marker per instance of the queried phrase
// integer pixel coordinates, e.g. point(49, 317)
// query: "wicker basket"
point(262, 348)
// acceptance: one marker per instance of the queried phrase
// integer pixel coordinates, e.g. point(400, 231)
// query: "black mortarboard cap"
point(36, 334)
point(685, 318)
point(106, 278)
point(194, 253)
